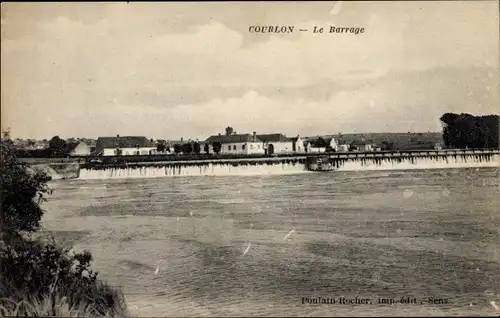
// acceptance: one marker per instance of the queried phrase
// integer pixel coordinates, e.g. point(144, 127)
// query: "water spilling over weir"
point(412, 163)
point(199, 169)
point(59, 170)
point(292, 165)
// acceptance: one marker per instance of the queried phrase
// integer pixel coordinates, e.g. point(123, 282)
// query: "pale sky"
point(172, 70)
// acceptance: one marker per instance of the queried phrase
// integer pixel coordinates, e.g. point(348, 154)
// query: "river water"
point(258, 245)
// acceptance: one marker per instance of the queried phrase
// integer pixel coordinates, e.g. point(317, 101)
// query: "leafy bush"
point(35, 269)
point(34, 272)
point(22, 192)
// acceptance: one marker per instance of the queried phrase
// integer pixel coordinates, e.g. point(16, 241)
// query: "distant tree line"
point(58, 148)
point(468, 131)
point(190, 148)
point(195, 147)
point(387, 146)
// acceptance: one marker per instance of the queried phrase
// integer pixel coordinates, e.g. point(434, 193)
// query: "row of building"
point(248, 143)
point(253, 143)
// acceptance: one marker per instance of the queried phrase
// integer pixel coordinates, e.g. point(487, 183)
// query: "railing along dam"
point(354, 161)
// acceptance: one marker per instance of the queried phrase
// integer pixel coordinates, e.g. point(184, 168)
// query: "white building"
point(364, 147)
point(236, 144)
point(321, 144)
point(124, 146)
point(311, 149)
point(367, 147)
point(298, 144)
point(344, 148)
point(279, 143)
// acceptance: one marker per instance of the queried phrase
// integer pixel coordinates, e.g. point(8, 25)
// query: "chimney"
point(254, 136)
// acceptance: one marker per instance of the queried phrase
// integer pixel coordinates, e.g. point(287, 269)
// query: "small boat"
point(320, 164)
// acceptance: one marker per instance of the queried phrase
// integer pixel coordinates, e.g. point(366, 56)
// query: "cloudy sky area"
point(171, 70)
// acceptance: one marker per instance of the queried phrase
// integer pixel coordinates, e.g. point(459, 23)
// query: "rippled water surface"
point(256, 245)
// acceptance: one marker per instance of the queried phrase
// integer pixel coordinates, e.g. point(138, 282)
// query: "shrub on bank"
point(39, 277)
point(37, 271)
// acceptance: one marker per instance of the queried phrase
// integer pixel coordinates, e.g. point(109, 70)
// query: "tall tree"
point(207, 148)
point(217, 147)
point(187, 148)
point(229, 130)
point(321, 142)
point(196, 147)
point(22, 192)
point(58, 146)
point(468, 131)
point(177, 148)
point(160, 147)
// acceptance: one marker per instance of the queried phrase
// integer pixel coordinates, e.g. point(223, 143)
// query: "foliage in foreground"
point(22, 192)
point(39, 277)
point(55, 305)
point(37, 271)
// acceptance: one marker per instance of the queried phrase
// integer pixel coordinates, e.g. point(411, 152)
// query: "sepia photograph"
point(260, 158)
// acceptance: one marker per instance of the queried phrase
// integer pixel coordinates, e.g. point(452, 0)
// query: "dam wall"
point(416, 163)
point(294, 165)
point(196, 169)
point(273, 165)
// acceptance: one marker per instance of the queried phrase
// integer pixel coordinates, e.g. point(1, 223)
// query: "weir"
point(194, 169)
point(273, 165)
point(293, 165)
point(412, 163)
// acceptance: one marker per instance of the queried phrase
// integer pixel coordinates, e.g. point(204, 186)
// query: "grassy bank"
point(49, 305)
point(41, 278)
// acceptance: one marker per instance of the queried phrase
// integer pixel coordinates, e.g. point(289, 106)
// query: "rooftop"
point(123, 142)
point(237, 138)
point(273, 137)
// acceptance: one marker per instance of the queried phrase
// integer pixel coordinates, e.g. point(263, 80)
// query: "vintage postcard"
point(250, 158)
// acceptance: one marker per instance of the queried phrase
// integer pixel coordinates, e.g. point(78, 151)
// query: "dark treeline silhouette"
point(387, 146)
point(468, 131)
point(37, 153)
point(321, 142)
point(162, 148)
point(58, 148)
point(188, 148)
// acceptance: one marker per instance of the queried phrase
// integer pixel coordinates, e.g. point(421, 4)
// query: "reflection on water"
point(256, 245)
